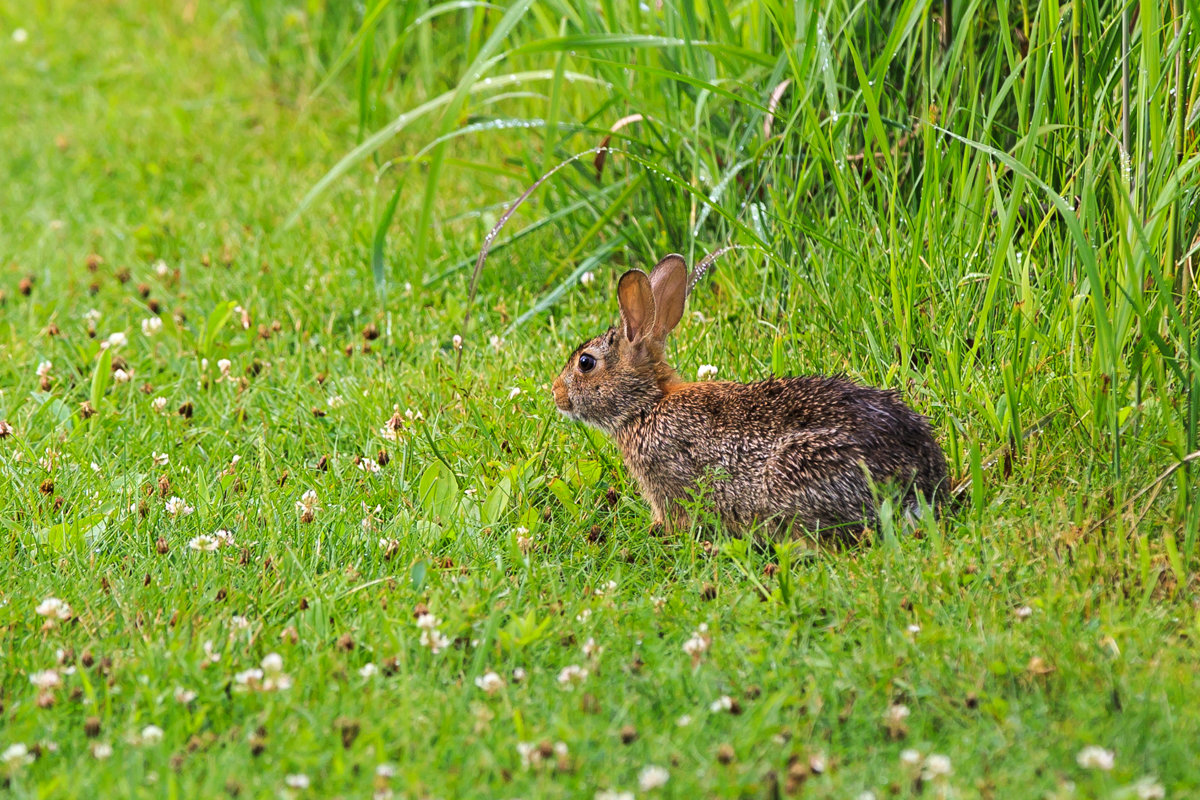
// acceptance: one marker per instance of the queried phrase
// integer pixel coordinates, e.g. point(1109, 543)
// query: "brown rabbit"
point(781, 452)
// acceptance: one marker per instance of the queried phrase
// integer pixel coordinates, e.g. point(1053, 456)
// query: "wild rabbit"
point(780, 453)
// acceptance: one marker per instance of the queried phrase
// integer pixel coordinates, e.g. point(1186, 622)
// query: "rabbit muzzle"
point(562, 398)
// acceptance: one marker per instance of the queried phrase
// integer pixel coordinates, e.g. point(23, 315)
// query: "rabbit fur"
point(782, 454)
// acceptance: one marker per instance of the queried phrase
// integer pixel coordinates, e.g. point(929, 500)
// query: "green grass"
point(998, 266)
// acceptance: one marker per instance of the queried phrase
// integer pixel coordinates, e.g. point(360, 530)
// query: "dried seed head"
point(349, 729)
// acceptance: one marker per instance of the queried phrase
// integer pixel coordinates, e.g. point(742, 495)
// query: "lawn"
point(287, 508)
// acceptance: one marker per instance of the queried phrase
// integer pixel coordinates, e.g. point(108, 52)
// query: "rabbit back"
point(784, 451)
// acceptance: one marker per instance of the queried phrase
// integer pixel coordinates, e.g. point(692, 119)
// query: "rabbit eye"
point(586, 363)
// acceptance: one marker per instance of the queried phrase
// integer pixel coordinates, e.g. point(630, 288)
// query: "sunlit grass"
point(956, 223)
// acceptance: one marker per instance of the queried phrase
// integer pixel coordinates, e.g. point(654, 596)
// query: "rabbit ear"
point(636, 299)
point(668, 282)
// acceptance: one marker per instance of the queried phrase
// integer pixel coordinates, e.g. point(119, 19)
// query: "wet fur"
point(783, 452)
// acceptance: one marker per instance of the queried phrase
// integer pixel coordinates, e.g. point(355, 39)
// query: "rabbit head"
point(612, 378)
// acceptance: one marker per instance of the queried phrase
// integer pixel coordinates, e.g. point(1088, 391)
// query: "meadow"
point(286, 507)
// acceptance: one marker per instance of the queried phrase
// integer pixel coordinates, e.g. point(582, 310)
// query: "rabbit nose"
point(560, 394)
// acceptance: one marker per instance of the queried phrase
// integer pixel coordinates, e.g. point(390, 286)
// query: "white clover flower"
point(490, 682)
point(225, 365)
point(613, 794)
point(102, 750)
point(92, 316)
point(161, 269)
point(457, 341)
point(151, 326)
point(249, 677)
point(601, 591)
point(160, 459)
point(368, 465)
point(46, 679)
point(706, 372)
point(385, 771)
point(1148, 788)
point(587, 279)
point(897, 713)
point(335, 401)
point(20, 36)
point(54, 608)
point(6, 429)
point(684, 720)
point(308, 502)
point(913, 629)
point(176, 507)
point(652, 777)
point(937, 766)
point(1024, 612)
point(572, 675)
point(117, 339)
point(204, 543)
point(518, 674)
point(297, 781)
point(368, 670)
point(591, 649)
point(210, 654)
point(529, 753)
point(270, 677)
point(428, 622)
point(697, 644)
point(224, 538)
point(722, 703)
point(43, 368)
point(184, 696)
point(436, 641)
point(911, 758)
point(16, 755)
point(158, 405)
point(122, 375)
point(152, 734)
point(496, 342)
point(1093, 757)
point(239, 622)
point(583, 615)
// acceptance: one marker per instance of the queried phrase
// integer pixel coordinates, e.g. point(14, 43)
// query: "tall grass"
point(992, 203)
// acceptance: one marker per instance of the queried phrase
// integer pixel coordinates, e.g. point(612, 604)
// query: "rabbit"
point(773, 455)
